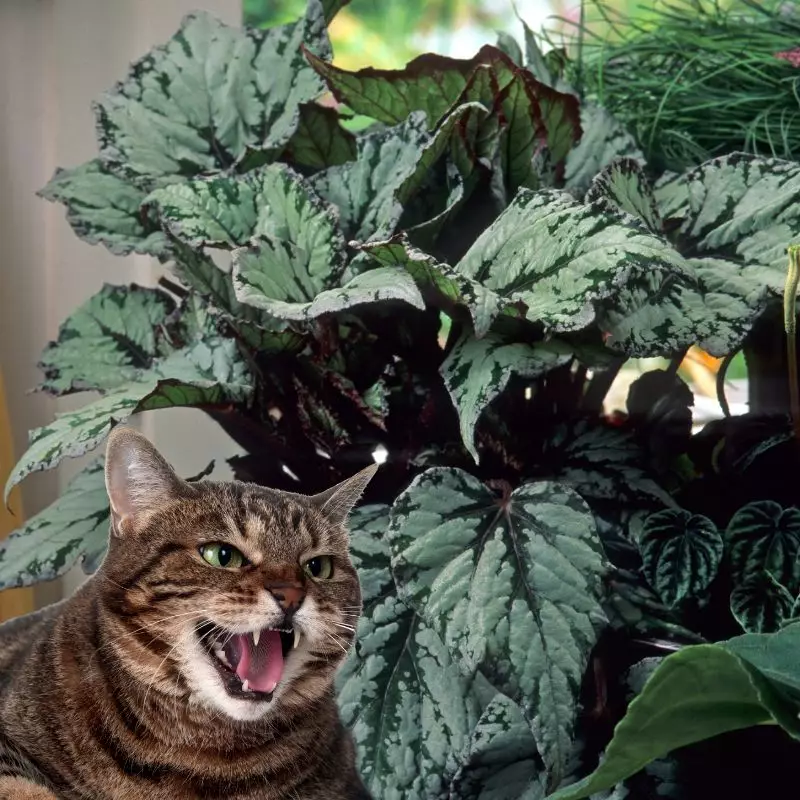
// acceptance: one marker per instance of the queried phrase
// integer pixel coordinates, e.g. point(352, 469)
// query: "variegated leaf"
point(500, 761)
point(681, 553)
point(365, 190)
point(553, 258)
point(103, 208)
point(272, 275)
point(739, 207)
point(320, 141)
point(477, 370)
point(760, 604)
point(206, 372)
point(763, 537)
point(228, 211)
point(513, 586)
point(659, 312)
point(602, 464)
point(623, 186)
point(108, 341)
point(410, 711)
point(604, 140)
point(201, 101)
point(74, 528)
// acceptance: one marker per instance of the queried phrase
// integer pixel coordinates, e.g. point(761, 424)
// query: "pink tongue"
point(260, 665)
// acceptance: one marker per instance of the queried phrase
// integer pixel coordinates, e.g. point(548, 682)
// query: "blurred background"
point(56, 56)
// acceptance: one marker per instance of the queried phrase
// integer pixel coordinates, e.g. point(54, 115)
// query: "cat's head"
point(237, 597)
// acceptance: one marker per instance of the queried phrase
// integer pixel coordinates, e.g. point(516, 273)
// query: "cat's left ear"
point(337, 503)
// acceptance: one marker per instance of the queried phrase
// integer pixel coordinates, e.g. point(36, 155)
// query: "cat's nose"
point(289, 596)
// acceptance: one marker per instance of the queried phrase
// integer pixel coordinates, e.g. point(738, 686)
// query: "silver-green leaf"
point(107, 341)
point(206, 372)
point(512, 585)
point(104, 208)
point(209, 95)
point(760, 604)
point(681, 553)
point(623, 186)
point(477, 370)
point(74, 528)
point(553, 258)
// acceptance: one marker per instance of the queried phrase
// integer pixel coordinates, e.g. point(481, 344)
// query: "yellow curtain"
point(14, 601)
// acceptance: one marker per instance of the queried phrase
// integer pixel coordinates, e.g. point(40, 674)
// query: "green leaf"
point(509, 45)
point(364, 190)
point(271, 276)
point(228, 211)
point(604, 140)
point(430, 83)
point(500, 761)
point(320, 141)
point(763, 537)
point(74, 528)
point(477, 370)
point(552, 258)
point(681, 553)
point(623, 186)
point(714, 305)
point(103, 208)
point(694, 694)
point(198, 103)
point(512, 586)
point(408, 708)
point(108, 340)
point(207, 372)
point(602, 464)
point(739, 207)
point(760, 604)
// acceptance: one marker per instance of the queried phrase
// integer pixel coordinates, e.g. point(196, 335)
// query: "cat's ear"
point(337, 503)
point(138, 479)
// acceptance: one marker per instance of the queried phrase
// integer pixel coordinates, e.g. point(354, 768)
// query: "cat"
point(198, 662)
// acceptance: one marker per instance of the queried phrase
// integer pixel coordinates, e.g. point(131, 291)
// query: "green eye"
point(222, 555)
point(320, 567)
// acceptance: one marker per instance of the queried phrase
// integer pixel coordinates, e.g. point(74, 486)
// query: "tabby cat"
point(198, 662)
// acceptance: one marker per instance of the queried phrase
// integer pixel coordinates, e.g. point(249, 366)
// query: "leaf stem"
point(790, 327)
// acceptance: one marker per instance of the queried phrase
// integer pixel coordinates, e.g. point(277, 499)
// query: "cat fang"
point(251, 665)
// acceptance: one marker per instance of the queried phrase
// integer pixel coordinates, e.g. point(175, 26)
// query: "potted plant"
point(457, 286)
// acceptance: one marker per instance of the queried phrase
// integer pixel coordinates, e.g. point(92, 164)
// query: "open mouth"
point(251, 664)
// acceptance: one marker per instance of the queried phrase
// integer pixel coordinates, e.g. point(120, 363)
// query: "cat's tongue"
point(261, 665)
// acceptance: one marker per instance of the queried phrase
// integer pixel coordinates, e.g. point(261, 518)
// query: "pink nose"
point(289, 596)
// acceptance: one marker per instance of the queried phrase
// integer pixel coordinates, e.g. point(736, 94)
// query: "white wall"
point(56, 56)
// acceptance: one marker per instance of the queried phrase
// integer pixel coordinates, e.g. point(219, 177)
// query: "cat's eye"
point(320, 568)
point(222, 555)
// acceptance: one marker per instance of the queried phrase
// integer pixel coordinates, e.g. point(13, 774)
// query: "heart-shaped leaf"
point(103, 208)
point(478, 370)
point(512, 585)
point(201, 101)
point(763, 537)
point(761, 604)
point(681, 553)
point(409, 709)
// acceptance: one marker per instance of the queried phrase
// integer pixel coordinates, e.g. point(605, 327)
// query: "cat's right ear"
point(138, 479)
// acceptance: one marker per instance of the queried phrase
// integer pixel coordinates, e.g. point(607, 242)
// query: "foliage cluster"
point(459, 283)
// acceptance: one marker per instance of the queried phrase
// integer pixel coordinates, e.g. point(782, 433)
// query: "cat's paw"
point(21, 789)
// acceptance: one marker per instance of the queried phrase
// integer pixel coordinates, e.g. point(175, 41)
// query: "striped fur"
point(111, 695)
